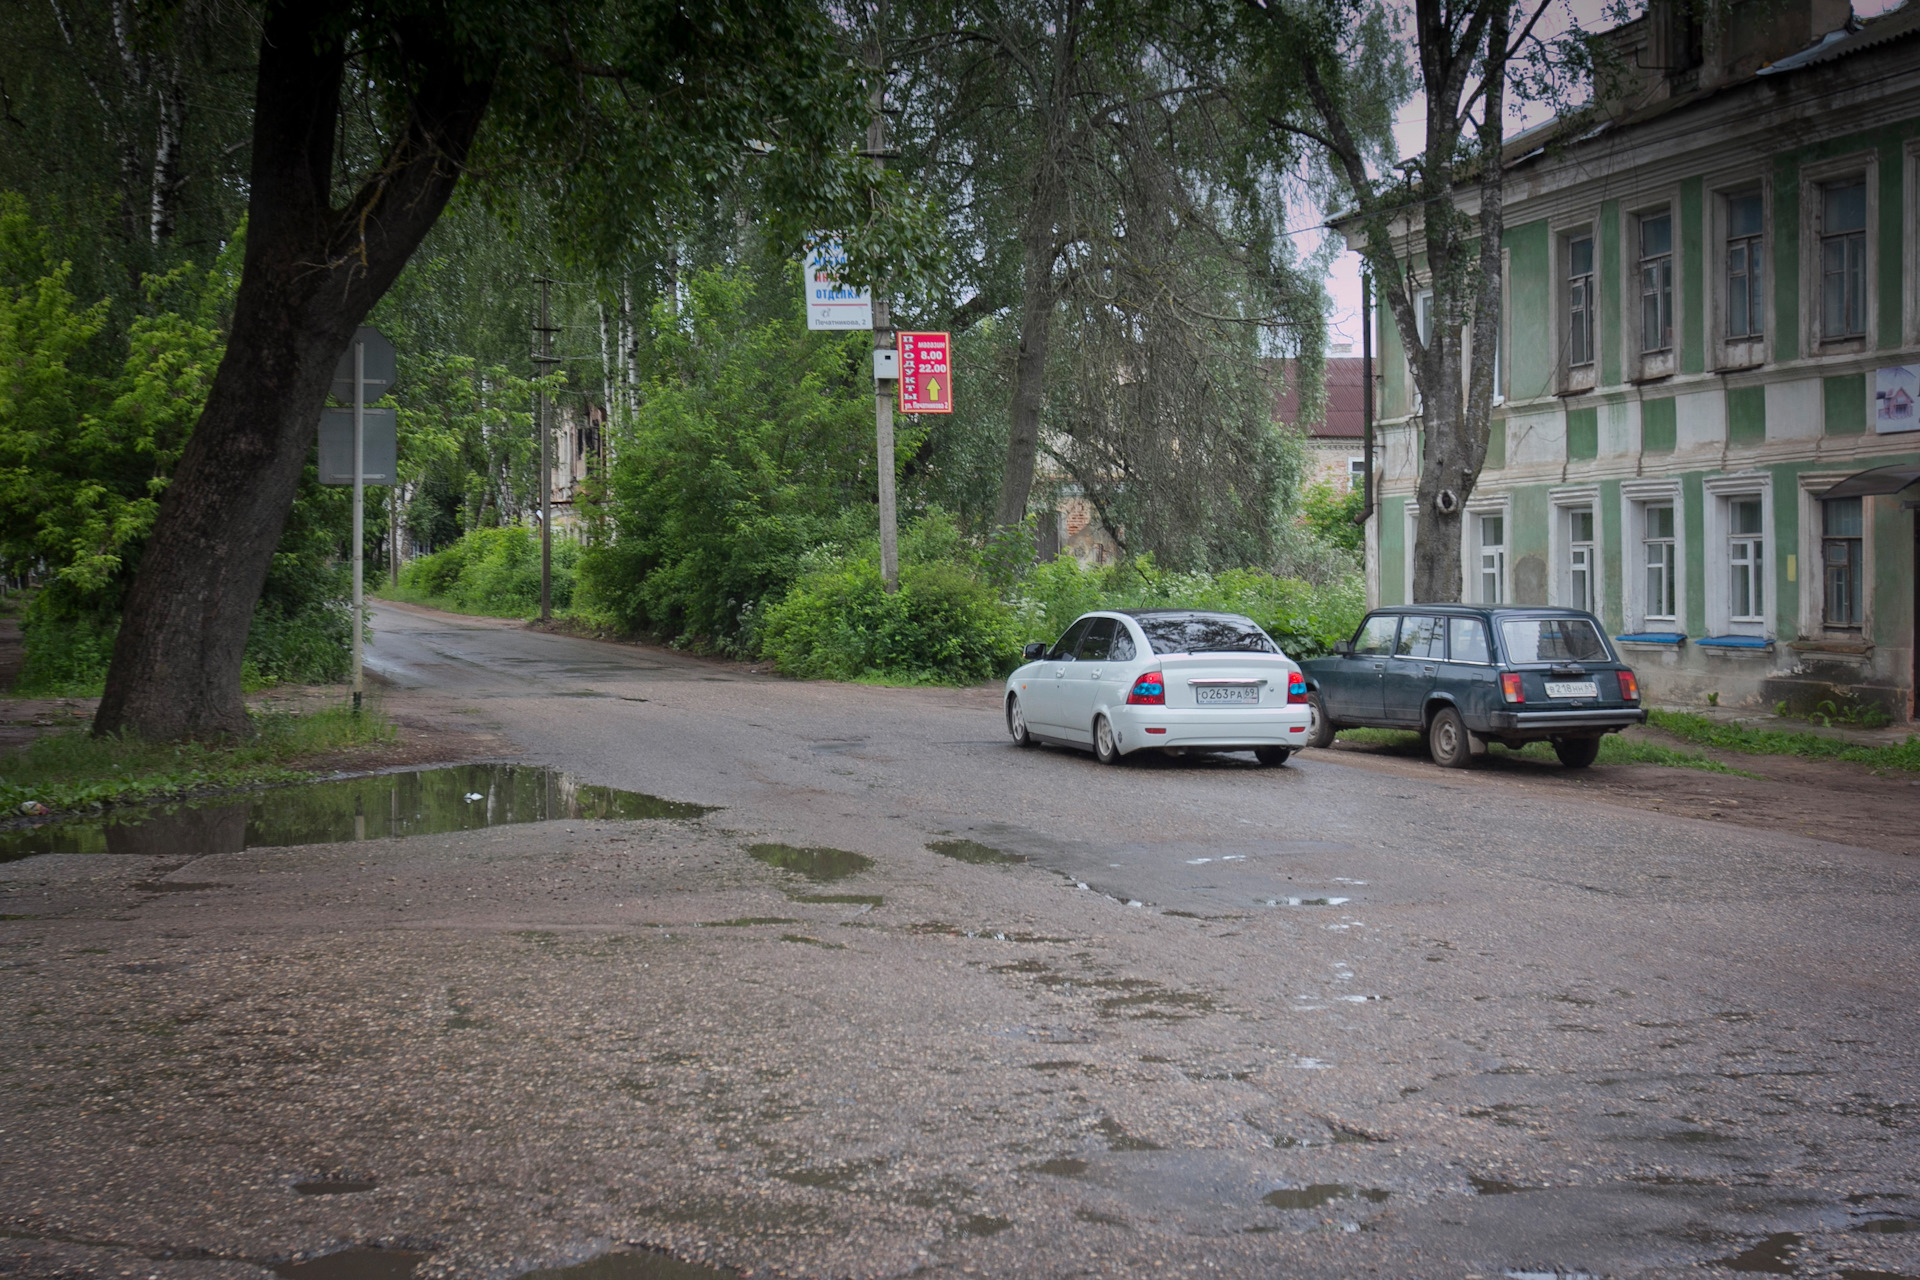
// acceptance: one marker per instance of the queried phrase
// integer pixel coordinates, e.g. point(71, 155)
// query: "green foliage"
point(85, 458)
point(1614, 749)
point(1813, 746)
point(70, 771)
point(751, 448)
point(495, 572)
point(1302, 618)
point(1333, 515)
point(942, 627)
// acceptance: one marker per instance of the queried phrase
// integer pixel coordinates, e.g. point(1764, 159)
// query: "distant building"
point(1333, 435)
point(1704, 426)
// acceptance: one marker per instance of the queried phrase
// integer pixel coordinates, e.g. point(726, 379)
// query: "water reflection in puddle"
point(638, 1264)
point(354, 1264)
point(418, 802)
point(1322, 1193)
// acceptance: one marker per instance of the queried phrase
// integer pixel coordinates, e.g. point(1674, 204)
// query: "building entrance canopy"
point(1880, 480)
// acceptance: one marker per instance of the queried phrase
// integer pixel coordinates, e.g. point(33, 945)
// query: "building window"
point(1746, 268)
point(1656, 283)
point(1580, 301)
point(1493, 558)
point(1841, 526)
point(1843, 259)
point(1580, 567)
point(1746, 561)
point(1657, 542)
point(1356, 473)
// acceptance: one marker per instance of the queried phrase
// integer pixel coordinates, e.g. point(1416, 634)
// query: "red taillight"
point(1150, 690)
point(1296, 688)
point(1629, 687)
point(1510, 687)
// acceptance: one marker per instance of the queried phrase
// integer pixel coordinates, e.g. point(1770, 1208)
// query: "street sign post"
point(830, 304)
point(366, 372)
point(926, 373)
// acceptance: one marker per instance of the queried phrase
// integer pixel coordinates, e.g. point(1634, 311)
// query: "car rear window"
point(1553, 640)
point(1207, 633)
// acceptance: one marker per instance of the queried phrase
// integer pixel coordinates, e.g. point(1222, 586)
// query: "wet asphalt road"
point(1190, 1015)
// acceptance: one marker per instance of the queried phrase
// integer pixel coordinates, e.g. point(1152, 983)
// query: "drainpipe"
point(1366, 396)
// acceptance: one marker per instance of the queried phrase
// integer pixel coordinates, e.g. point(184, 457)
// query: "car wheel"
point(1271, 756)
point(1577, 753)
point(1105, 749)
point(1319, 728)
point(1447, 740)
point(1017, 723)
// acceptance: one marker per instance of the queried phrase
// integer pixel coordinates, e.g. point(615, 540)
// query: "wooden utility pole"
point(882, 324)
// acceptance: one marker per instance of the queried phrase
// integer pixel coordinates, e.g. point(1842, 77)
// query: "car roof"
point(1514, 610)
point(1180, 613)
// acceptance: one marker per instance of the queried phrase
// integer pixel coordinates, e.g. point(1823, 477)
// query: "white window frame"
point(1356, 472)
point(1740, 352)
point(1412, 510)
point(1813, 178)
point(1637, 496)
point(1811, 572)
point(1560, 546)
point(1573, 379)
point(1471, 568)
point(1663, 363)
point(1721, 493)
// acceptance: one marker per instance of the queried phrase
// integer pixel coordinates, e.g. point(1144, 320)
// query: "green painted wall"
point(1746, 415)
point(1693, 496)
point(1693, 311)
point(1496, 446)
point(1890, 606)
point(1527, 530)
point(1785, 285)
point(1529, 310)
point(1393, 550)
point(1845, 403)
point(1659, 429)
point(1395, 391)
point(1892, 170)
point(1786, 542)
point(1608, 280)
point(1612, 612)
point(1583, 434)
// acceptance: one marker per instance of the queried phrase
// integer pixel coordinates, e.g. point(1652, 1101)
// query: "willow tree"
point(366, 116)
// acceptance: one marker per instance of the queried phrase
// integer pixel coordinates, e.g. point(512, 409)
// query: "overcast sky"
point(1343, 285)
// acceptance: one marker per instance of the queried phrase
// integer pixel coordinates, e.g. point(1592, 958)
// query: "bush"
point(941, 627)
point(495, 572)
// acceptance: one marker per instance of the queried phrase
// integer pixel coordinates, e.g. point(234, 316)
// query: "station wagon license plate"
point(1226, 695)
point(1572, 689)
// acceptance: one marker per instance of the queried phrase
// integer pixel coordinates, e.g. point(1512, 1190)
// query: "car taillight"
point(1510, 687)
point(1629, 687)
point(1150, 690)
point(1296, 688)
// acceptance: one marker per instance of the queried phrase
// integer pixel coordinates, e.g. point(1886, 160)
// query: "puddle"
point(817, 864)
point(1491, 1187)
point(1119, 1139)
point(984, 1224)
point(635, 1264)
point(1889, 1226)
point(804, 940)
point(335, 1186)
point(746, 922)
point(1774, 1255)
point(354, 1264)
point(1321, 1193)
point(1064, 1167)
point(975, 852)
point(388, 805)
point(840, 899)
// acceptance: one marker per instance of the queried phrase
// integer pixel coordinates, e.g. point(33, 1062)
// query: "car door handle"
point(1094, 674)
point(1426, 671)
point(1379, 666)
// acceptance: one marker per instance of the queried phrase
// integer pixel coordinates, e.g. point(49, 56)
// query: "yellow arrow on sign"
point(933, 390)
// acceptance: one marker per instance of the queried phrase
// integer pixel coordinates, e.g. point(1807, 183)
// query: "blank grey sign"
point(378, 451)
point(378, 368)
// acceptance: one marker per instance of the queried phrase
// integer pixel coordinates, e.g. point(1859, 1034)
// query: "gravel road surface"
point(1181, 1016)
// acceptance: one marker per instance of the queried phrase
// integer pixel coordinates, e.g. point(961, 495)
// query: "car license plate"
point(1572, 689)
point(1215, 695)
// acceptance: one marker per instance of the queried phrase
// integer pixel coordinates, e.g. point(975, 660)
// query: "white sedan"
point(1160, 679)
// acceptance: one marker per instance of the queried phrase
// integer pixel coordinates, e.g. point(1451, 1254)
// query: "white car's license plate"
point(1572, 689)
point(1214, 695)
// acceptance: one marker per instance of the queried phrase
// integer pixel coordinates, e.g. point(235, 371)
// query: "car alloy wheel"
point(1017, 723)
point(1319, 728)
point(1447, 740)
point(1105, 749)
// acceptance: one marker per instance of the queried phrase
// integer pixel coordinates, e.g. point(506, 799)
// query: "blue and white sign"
point(830, 304)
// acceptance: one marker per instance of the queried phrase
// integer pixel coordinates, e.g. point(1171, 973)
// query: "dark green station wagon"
point(1465, 675)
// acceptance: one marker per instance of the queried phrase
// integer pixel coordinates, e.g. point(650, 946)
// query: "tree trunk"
point(1037, 240)
point(311, 275)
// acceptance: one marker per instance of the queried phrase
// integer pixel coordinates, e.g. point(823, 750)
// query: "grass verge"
point(1776, 742)
point(73, 770)
point(1614, 749)
point(445, 604)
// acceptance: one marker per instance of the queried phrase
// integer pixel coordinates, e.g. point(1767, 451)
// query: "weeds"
point(1775, 742)
point(75, 770)
point(1614, 749)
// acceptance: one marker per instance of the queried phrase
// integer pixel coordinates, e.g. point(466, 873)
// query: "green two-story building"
point(1706, 427)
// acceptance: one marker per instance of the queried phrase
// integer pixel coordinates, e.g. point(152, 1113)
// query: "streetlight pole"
point(883, 326)
point(359, 514)
point(544, 359)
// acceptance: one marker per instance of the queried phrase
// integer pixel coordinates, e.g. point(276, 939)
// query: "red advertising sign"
point(926, 373)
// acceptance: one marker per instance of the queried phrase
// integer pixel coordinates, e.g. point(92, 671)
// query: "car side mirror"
point(1343, 648)
point(1033, 651)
